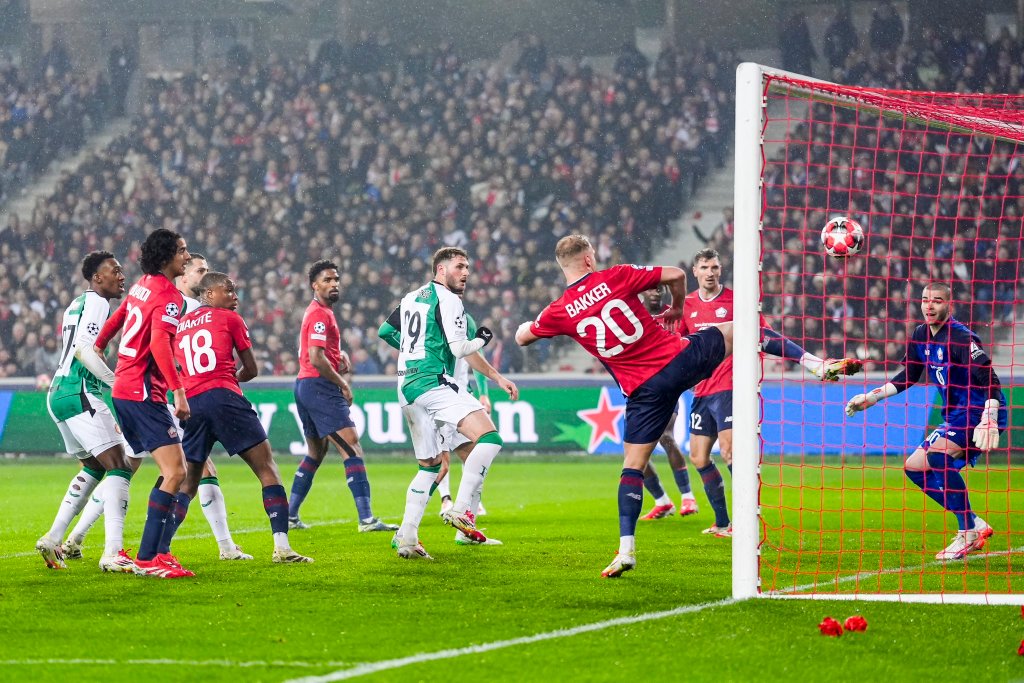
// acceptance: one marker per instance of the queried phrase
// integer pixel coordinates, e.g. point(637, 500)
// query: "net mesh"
point(937, 182)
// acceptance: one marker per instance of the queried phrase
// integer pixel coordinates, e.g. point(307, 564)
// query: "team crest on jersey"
point(938, 352)
point(172, 432)
point(319, 328)
point(93, 329)
point(721, 312)
point(172, 309)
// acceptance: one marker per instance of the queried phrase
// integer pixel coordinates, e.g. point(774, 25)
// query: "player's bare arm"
point(480, 364)
point(248, 369)
point(524, 337)
point(318, 359)
point(675, 280)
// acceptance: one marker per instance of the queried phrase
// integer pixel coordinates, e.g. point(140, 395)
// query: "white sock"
point(281, 541)
point(812, 363)
point(211, 499)
point(416, 498)
point(473, 473)
point(90, 513)
point(627, 544)
point(689, 496)
point(474, 505)
point(663, 500)
point(79, 489)
point(115, 507)
point(444, 489)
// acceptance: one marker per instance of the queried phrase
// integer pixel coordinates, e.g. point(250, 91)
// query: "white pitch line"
point(388, 664)
point(890, 570)
point(166, 662)
point(189, 537)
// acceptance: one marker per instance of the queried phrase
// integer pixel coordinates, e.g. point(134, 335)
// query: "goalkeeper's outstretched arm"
point(906, 378)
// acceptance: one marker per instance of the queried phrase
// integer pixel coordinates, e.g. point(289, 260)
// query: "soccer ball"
point(842, 237)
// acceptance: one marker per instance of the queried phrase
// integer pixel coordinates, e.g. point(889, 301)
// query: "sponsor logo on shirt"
point(976, 351)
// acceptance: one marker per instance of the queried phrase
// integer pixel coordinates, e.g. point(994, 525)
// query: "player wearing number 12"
point(603, 312)
point(208, 339)
point(145, 372)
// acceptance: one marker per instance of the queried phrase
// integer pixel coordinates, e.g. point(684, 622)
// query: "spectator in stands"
point(798, 53)
point(840, 39)
point(887, 30)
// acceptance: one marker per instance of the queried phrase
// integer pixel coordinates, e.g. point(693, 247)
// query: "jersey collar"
point(722, 289)
point(573, 284)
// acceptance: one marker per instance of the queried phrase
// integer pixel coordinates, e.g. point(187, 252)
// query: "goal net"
point(822, 505)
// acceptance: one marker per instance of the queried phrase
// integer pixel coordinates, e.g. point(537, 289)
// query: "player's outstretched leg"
point(211, 502)
point(663, 505)
point(676, 460)
point(474, 471)
point(774, 344)
point(80, 488)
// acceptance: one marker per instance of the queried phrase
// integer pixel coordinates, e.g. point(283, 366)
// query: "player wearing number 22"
point(973, 399)
point(603, 312)
point(145, 373)
point(208, 339)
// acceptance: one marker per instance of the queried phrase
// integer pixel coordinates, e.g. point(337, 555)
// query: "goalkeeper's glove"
point(986, 434)
point(864, 401)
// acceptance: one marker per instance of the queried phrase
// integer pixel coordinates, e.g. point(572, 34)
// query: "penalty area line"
point(389, 664)
point(167, 662)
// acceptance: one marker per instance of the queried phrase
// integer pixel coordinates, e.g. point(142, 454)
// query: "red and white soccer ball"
point(842, 237)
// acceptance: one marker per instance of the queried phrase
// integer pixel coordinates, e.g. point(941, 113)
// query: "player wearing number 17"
point(603, 312)
point(973, 399)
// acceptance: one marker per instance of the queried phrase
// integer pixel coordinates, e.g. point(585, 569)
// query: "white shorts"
point(451, 438)
point(445, 405)
point(426, 443)
point(91, 433)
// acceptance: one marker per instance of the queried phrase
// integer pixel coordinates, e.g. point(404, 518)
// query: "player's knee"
point(939, 461)
point(492, 438)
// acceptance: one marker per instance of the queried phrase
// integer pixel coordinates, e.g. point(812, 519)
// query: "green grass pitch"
point(359, 607)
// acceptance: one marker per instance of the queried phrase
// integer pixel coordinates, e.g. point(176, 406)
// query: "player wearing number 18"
point(603, 312)
point(205, 348)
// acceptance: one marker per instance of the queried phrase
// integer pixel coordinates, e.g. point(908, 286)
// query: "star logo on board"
point(603, 421)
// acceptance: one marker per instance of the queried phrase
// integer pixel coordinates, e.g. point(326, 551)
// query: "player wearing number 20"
point(208, 339)
point(603, 312)
point(973, 399)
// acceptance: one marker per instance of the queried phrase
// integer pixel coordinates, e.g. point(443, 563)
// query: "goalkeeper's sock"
point(714, 487)
point(631, 500)
point(653, 484)
point(416, 498)
point(930, 482)
point(80, 488)
point(359, 485)
point(955, 488)
point(211, 502)
point(682, 480)
point(302, 483)
point(157, 516)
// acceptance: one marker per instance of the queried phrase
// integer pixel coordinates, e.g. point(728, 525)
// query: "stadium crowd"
point(376, 158)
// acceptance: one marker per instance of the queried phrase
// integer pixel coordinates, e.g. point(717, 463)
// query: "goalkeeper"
point(974, 412)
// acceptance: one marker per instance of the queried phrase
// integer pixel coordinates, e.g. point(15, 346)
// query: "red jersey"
point(319, 328)
point(604, 314)
point(205, 349)
point(152, 306)
point(698, 314)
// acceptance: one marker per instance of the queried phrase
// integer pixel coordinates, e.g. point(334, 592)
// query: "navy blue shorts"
point(959, 429)
point(650, 406)
point(322, 409)
point(224, 416)
point(711, 414)
point(147, 425)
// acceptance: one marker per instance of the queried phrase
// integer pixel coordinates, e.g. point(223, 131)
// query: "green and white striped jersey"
point(82, 323)
point(430, 318)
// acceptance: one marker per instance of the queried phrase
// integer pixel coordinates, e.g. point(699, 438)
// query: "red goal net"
point(936, 180)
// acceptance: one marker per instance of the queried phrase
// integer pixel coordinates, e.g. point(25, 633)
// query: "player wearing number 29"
point(973, 399)
point(603, 312)
point(208, 339)
point(145, 372)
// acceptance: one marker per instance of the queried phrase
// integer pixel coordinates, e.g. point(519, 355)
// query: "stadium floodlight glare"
point(823, 506)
